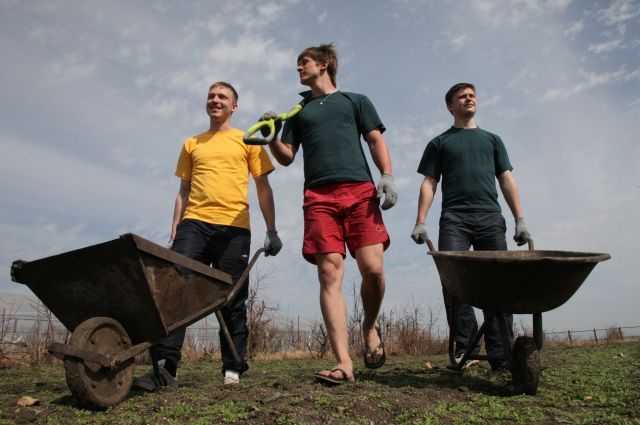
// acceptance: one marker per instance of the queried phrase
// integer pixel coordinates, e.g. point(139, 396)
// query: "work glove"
point(419, 234)
point(272, 243)
point(270, 115)
point(387, 186)
point(522, 235)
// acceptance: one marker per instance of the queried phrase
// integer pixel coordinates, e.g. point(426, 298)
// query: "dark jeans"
point(225, 248)
point(485, 231)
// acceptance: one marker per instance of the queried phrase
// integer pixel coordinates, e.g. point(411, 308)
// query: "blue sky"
point(97, 98)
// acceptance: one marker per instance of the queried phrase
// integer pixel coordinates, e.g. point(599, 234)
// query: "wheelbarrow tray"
point(517, 282)
point(149, 289)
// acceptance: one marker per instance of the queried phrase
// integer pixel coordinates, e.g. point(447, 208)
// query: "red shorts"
point(339, 213)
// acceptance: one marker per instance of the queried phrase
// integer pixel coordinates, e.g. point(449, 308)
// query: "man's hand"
point(419, 234)
point(522, 235)
point(270, 115)
point(387, 186)
point(272, 243)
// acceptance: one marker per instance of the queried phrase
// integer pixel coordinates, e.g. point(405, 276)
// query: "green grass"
point(597, 384)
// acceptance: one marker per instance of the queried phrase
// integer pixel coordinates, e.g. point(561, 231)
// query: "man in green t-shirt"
point(469, 159)
point(341, 203)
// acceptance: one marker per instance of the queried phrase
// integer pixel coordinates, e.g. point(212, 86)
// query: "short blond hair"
point(228, 86)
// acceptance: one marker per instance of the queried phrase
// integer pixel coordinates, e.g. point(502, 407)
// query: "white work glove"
point(419, 234)
point(272, 243)
point(387, 186)
point(522, 235)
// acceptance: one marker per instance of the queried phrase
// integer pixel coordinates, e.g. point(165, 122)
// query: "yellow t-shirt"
point(218, 165)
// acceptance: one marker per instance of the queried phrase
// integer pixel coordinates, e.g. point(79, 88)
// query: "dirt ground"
point(595, 384)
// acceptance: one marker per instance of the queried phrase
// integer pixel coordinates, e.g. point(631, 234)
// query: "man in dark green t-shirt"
point(468, 159)
point(341, 203)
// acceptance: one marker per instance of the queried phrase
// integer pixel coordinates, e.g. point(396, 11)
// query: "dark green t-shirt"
point(468, 160)
point(329, 128)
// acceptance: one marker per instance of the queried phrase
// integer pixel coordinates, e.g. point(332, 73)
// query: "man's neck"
point(459, 122)
point(322, 86)
point(223, 126)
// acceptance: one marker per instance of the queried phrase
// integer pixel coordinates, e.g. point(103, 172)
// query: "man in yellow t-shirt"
point(211, 224)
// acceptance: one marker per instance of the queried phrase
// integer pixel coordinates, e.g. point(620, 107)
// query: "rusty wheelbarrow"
point(515, 282)
point(118, 298)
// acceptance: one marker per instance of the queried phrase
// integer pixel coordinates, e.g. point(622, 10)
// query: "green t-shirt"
point(329, 128)
point(468, 160)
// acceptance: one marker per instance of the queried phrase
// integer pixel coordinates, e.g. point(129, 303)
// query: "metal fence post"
point(569, 335)
point(595, 335)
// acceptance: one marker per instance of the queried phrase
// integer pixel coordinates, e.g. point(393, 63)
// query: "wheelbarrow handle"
point(530, 243)
point(432, 249)
point(244, 277)
point(430, 245)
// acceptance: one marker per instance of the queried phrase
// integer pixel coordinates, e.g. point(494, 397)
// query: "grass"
point(598, 384)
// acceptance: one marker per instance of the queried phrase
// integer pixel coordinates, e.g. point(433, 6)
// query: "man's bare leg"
point(334, 311)
point(370, 261)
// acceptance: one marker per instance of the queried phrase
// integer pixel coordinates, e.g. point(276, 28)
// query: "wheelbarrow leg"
point(468, 352)
point(453, 329)
point(227, 336)
point(538, 334)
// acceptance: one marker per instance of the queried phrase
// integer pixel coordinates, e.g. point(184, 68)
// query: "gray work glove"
point(270, 115)
point(419, 234)
point(387, 186)
point(522, 235)
point(272, 243)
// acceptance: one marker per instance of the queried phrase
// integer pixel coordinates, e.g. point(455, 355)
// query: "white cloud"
point(574, 29)
point(619, 11)
point(606, 46)
point(591, 80)
point(68, 68)
point(515, 12)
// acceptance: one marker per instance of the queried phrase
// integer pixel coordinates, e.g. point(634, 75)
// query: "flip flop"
point(371, 354)
point(326, 379)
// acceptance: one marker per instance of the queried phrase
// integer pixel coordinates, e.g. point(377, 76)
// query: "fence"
point(594, 335)
point(21, 329)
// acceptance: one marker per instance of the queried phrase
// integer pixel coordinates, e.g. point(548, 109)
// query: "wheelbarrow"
point(119, 297)
point(512, 282)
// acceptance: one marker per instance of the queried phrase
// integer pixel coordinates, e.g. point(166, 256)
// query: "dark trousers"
point(485, 231)
point(225, 248)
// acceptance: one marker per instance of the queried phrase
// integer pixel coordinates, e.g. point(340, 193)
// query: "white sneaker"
point(469, 363)
point(231, 378)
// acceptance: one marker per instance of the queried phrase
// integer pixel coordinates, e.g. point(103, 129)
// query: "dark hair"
point(226, 85)
point(453, 90)
point(324, 53)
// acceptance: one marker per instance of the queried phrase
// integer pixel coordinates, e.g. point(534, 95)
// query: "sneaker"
point(150, 382)
point(231, 378)
point(467, 364)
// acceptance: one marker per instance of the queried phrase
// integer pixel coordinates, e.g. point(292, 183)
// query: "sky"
point(96, 99)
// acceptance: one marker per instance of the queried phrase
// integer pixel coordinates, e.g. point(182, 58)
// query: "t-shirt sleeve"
point(289, 133)
point(259, 161)
point(501, 158)
point(430, 163)
point(184, 165)
point(368, 118)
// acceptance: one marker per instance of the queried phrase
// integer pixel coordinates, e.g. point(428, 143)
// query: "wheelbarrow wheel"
point(525, 366)
point(92, 384)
